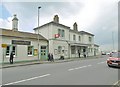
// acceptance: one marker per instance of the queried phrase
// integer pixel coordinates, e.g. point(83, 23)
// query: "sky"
point(99, 17)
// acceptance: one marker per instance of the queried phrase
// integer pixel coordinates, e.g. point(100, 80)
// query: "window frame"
point(59, 32)
point(59, 49)
point(11, 49)
point(79, 38)
point(63, 33)
point(74, 37)
point(90, 39)
point(72, 49)
point(32, 51)
point(8, 51)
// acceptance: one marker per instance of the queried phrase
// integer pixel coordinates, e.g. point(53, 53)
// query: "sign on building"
point(35, 52)
point(3, 45)
point(20, 42)
point(57, 35)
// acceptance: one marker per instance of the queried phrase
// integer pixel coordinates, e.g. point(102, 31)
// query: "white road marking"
point(116, 82)
point(79, 67)
point(27, 79)
point(89, 65)
point(70, 69)
point(101, 62)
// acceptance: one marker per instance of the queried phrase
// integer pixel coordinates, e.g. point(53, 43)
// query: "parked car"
point(114, 59)
point(103, 53)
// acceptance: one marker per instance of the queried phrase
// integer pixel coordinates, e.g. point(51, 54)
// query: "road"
point(80, 72)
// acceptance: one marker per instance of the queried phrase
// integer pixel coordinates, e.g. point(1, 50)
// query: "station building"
point(66, 41)
point(52, 37)
point(25, 45)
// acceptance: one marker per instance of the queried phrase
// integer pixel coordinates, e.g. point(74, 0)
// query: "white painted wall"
point(45, 31)
point(22, 49)
point(86, 39)
point(49, 32)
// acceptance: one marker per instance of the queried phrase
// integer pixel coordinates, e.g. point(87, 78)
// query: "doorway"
point(43, 53)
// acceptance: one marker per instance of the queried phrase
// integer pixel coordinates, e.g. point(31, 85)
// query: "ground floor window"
point(59, 49)
point(30, 50)
point(14, 50)
point(73, 50)
point(10, 49)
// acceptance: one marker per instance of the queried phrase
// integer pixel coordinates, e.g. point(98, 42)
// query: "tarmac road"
point(80, 72)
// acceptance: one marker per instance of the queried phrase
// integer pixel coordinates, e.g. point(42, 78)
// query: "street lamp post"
point(113, 40)
point(38, 36)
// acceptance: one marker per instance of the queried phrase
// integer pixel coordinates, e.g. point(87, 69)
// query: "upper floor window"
point(90, 39)
point(61, 32)
point(79, 38)
point(74, 37)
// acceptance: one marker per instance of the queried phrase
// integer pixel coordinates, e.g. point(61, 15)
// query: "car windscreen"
point(116, 55)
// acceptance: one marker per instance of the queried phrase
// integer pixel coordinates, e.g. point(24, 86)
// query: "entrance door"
point(43, 52)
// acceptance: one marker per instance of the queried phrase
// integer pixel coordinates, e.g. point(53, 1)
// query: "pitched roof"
point(52, 22)
point(96, 45)
point(20, 34)
point(84, 32)
point(58, 24)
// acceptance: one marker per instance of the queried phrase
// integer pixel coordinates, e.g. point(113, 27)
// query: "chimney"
point(75, 27)
point(56, 19)
point(15, 23)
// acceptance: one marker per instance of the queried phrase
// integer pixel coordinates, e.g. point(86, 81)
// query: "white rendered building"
point(24, 45)
point(66, 41)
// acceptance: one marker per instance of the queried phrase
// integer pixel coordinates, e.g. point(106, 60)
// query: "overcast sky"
point(99, 17)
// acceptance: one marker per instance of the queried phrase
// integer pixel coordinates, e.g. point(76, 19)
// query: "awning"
point(79, 44)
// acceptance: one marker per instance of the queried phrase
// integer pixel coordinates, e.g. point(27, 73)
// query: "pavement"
point(15, 64)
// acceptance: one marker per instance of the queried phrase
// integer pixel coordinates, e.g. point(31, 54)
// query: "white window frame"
point(11, 49)
point(74, 37)
point(8, 51)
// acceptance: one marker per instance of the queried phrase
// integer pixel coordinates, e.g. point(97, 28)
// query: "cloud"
point(96, 16)
point(6, 23)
